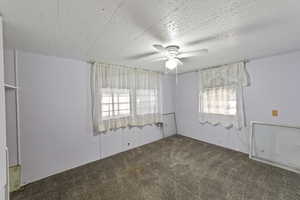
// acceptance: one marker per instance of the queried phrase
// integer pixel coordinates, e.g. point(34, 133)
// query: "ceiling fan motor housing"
point(173, 51)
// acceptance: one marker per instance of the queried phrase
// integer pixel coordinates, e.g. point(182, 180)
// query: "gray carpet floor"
point(175, 168)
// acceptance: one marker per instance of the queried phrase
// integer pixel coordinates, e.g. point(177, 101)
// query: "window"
point(124, 96)
point(115, 103)
point(146, 101)
point(221, 95)
point(219, 100)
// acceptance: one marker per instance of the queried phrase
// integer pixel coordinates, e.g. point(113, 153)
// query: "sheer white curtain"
point(148, 98)
point(221, 95)
point(124, 97)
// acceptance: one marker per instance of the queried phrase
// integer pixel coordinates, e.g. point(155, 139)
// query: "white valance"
point(221, 95)
point(124, 97)
point(227, 75)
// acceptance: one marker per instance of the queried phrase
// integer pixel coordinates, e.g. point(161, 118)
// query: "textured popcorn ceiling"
point(122, 31)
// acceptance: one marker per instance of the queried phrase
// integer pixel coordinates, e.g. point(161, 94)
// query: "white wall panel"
point(168, 93)
point(111, 144)
point(149, 134)
point(56, 131)
point(10, 102)
point(3, 178)
point(125, 139)
point(11, 126)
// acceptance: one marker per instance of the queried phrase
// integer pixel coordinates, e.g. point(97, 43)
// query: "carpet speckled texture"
point(175, 168)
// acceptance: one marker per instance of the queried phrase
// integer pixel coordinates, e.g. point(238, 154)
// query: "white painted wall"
point(274, 85)
point(3, 178)
point(55, 117)
point(168, 93)
point(10, 101)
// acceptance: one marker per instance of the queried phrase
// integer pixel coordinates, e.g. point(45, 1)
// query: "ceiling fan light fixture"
point(171, 64)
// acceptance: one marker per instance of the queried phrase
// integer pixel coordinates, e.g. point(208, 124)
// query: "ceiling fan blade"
point(141, 55)
point(158, 59)
point(186, 59)
point(159, 48)
point(193, 53)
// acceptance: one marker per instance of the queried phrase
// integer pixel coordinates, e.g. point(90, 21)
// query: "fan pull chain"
point(176, 76)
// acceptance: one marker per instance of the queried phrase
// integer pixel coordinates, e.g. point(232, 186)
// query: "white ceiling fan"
point(173, 56)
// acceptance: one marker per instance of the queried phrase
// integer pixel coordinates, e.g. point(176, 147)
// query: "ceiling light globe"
point(171, 64)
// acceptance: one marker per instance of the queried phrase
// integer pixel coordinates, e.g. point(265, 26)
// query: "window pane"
point(219, 101)
point(106, 107)
point(116, 98)
point(115, 103)
point(106, 99)
point(116, 113)
point(116, 106)
point(124, 112)
point(124, 106)
point(124, 99)
point(105, 114)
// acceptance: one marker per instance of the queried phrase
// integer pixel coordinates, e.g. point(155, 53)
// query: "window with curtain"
point(146, 101)
point(221, 95)
point(124, 97)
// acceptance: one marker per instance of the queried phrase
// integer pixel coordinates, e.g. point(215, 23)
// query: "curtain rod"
point(118, 65)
